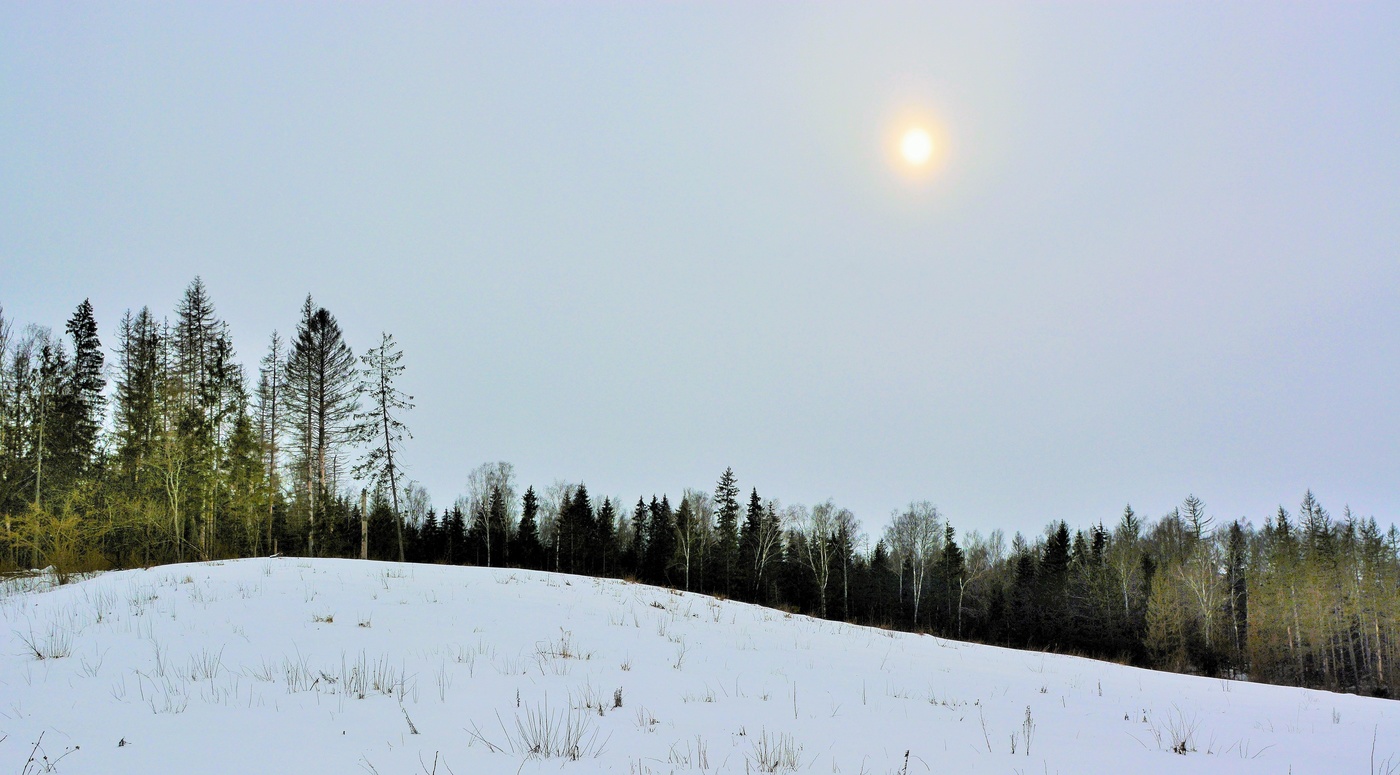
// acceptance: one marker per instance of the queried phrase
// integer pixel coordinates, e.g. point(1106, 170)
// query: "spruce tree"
point(454, 536)
point(1099, 545)
point(1055, 561)
point(573, 530)
point(661, 541)
point(205, 387)
point(725, 553)
point(87, 381)
point(244, 484)
point(53, 412)
point(138, 391)
point(637, 547)
point(478, 512)
point(429, 535)
point(1053, 585)
point(952, 567)
point(528, 552)
point(749, 545)
point(322, 398)
point(497, 546)
point(1023, 625)
point(606, 543)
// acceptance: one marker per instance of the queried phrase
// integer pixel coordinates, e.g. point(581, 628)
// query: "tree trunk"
point(364, 527)
point(962, 590)
point(39, 448)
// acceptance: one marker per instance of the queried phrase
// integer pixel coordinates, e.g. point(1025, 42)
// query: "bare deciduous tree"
point(915, 538)
point(817, 530)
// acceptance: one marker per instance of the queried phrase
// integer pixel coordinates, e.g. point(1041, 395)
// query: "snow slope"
point(338, 666)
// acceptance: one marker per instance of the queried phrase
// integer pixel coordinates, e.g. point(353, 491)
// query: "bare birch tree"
point(916, 537)
point(486, 482)
point(692, 525)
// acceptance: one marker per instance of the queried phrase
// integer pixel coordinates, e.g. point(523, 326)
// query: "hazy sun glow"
point(916, 146)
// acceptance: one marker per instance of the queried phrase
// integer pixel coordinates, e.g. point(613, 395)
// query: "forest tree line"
point(188, 456)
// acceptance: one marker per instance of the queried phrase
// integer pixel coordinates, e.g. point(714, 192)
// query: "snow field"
point(336, 666)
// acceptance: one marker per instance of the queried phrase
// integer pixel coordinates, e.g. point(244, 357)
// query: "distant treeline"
point(189, 457)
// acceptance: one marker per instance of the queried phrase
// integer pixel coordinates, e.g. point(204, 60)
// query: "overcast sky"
point(633, 244)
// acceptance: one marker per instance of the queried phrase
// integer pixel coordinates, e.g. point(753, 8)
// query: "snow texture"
point(341, 666)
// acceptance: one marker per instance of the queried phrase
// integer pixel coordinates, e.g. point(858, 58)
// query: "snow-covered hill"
point(337, 666)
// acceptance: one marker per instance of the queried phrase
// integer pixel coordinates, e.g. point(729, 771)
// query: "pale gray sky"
point(635, 243)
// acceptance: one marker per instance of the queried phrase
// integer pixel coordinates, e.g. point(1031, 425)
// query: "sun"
point(916, 146)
